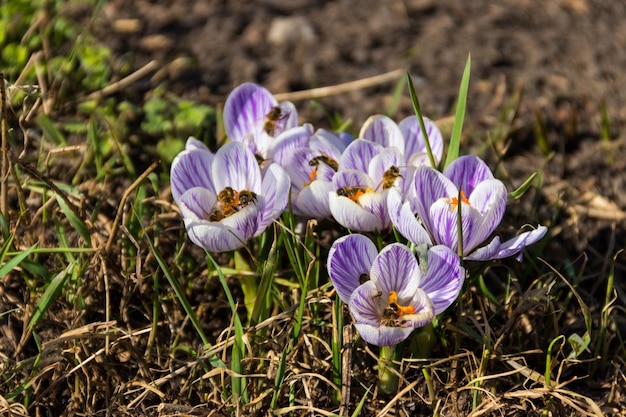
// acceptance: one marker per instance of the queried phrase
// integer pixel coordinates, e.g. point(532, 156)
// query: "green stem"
point(387, 376)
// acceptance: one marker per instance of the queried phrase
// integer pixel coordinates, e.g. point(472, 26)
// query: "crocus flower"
point(311, 169)
point(367, 172)
point(435, 199)
point(390, 294)
point(223, 198)
point(406, 136)
point(253, 116)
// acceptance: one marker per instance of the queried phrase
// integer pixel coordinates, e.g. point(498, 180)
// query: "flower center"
point(353, 193)
point(230, 201)
point(454, 201)
point(400, 310)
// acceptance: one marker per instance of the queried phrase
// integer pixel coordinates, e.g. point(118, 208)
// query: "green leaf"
point(77, 223)
point(524, 187)
point(16, 260)
point(52, 292)
point(455, 139)
point(418, 113)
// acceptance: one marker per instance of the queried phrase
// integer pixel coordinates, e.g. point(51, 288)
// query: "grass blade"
point(214, 360)
point(455, 139)
point(16, 260)
point(52, 292)
point(418, 113)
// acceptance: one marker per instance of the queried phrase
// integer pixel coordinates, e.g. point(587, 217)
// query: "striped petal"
point(381, 129)
point(245, 110)
point(444, 277)
point(404, 220)
point(359, 154)
point(350, 257)
point(396, 269)
point(235, 166)
point(275, 193)
point(467, 171)
point(191, 169)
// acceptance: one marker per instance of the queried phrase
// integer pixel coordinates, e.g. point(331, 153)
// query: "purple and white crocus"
point(406, 136)
point(388, 293)
point(254, 117)
point(435, 199)
point(223, 198)
point(359, 198)
point(312, 168)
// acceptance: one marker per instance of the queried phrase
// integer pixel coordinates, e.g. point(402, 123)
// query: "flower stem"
point(387, 376)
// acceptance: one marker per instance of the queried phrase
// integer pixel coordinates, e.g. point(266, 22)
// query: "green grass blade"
point(262, 302)
point(238, 351)
point(77, 223)
point(524, 187)
point(455, 139)
point(50, 130)
point(359, 408)
point(16, 260)
point(214, 360)
point(418, 113)
point(52, 292)
point(280, 376)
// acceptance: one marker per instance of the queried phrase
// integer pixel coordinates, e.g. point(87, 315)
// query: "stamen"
point(399, 309)
point(454, 201)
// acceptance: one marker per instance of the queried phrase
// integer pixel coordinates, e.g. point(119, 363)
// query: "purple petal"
point(288, 141)
point(351, 215)
point(367, 303)
point(191, 169)
point(511, 247)
point(489, 198)
point(214, 236)
point(197, 203)
point(396, 269)
point(381, 129)
point(424, 311)
point(245, 110)
point(352, 178)
point(444, 217)
point(384, 161)
point(275, 190)
point(383, 336)
point(193, 144)
point(358, 155)
point(376, 203)
point(349, 257)
point(328, 143)
point(404, 220)
point(414, 138)
point(444, 277)
point(430, 186)
point(466, 172)
point(312, 201)
point(235, 166)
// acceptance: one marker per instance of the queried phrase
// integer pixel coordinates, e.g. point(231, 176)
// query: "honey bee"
point(353, 193)
point(363, 278)
point(246, 197)
point(389, 177)
point(315, 162)
point(230, 201)
point(272, 118)
point(391, 318)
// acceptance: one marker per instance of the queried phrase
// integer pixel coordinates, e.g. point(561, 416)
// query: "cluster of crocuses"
point(380, 180)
